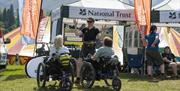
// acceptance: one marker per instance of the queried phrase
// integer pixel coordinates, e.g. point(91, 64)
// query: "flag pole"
point(144, 46)
point(37, 29)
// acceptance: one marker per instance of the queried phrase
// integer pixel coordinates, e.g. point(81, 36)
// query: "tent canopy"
point(107, 4)
point(168, 5)
point(168, 11)
point(99, 9)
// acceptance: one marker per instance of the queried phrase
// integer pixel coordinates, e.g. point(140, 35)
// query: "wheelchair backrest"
point(104, 60)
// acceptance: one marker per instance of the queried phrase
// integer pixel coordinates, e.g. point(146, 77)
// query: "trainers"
point(150, 77)
point(162, 76)
point(77, 80)
point(175, 77)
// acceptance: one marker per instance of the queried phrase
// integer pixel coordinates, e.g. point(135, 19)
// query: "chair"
point(178, 59)
point(135, 63)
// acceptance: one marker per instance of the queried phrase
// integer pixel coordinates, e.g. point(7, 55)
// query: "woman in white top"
point(58, 47)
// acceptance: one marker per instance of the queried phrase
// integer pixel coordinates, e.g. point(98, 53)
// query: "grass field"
point(15, 79)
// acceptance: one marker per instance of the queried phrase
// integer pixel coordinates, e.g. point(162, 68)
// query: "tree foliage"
point(8, 21)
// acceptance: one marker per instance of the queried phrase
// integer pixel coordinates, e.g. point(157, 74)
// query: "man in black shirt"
point(89, 34)
point(170, 60)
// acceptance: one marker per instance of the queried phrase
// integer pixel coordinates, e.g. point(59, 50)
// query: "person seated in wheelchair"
point(59, 54)
point(104, 53)
point(170, 61)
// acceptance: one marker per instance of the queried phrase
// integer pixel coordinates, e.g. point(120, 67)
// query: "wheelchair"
point(56, 68)
point(106, 69)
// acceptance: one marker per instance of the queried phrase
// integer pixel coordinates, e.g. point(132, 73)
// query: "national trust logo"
point(82, 12)
point(172, 15)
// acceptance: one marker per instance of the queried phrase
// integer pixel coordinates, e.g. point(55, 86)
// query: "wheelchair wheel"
point(108, 82)
point(66, 85)
point(41, 75)
point(116, 84)
point(87, 75)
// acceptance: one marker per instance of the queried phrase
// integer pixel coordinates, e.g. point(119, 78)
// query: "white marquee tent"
point(99, 9)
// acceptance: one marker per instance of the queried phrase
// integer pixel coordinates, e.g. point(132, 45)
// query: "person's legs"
point(174, 68)
point(79, 63)
point(149, 63)
point(84, 52)
point(149, 70)
point(162, 68)
point(178, 63)
point(159, 61)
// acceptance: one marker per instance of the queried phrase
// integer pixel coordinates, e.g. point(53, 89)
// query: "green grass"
point(15, 79)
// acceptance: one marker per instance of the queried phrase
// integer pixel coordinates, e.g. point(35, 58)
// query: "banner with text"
point(98, 13)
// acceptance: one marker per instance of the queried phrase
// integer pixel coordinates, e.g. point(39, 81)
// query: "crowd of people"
point(91, 33)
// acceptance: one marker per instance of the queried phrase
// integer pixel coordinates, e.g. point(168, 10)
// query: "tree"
point(8, 18)
point(11, 15)
point(17, 20)
point(1, 16)
point(4, 15)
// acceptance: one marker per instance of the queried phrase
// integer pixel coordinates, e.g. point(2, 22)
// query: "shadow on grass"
point(135, 77)
point(12, 70)
point(1, 75)
point(49, 88)
point(56, 88)
point(98, 88)
point(15, 77)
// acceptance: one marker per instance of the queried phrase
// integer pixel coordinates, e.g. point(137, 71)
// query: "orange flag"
point(143, 16)
point(30, 18)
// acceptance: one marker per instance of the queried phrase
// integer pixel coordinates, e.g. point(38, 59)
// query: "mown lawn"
point(15, 79)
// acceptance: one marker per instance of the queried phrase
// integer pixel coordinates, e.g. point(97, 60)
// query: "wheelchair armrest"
point(65, 53)
point(105, 58)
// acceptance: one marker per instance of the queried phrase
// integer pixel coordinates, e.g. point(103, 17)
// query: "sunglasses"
point(89, 21)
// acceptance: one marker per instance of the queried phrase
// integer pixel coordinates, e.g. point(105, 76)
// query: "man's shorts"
point(153, 58)
point(87, 49)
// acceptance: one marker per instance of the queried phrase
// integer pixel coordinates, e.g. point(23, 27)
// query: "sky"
point(48, 5)
point(154, 2)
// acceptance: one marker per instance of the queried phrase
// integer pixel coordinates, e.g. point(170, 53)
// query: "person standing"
point(152, 52)
point(89, 34)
